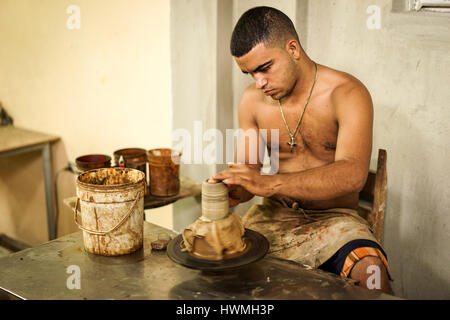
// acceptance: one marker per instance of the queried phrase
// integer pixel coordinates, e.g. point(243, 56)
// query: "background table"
point(13, 141)
point(41, 273)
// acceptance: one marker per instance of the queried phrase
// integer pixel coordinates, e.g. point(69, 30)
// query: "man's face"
point(273, 70)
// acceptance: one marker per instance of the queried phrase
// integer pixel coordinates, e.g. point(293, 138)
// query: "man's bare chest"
point(316, 135)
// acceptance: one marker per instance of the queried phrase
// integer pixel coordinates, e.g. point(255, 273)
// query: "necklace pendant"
point(292, 144)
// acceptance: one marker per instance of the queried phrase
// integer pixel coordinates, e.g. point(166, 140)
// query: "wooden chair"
point(372, 198)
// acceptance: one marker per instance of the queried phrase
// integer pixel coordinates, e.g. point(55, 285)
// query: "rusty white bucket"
point(110, 203)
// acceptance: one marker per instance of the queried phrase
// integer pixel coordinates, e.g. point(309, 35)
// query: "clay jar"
point(134, 158)
point(93, 161)
point(215, 204)
point(217, 234)
point(164, 170)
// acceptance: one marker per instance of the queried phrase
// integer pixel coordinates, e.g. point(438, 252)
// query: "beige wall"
point(405, 65)
point(103, 87)
point(201, 86)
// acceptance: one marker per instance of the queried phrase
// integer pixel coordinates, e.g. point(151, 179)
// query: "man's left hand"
point(249, 178)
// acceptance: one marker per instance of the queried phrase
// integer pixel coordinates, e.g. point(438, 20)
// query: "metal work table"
point(15, 141)
point(41, 273)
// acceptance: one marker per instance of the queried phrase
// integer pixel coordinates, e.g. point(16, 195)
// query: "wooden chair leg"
point(376, 217)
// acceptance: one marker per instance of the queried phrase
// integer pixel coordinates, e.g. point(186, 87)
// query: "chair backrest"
point(372, 198)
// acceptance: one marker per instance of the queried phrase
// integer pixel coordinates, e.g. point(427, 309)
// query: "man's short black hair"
point(261, 25)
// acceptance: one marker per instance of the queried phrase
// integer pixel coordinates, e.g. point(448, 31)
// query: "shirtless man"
point(325, 163)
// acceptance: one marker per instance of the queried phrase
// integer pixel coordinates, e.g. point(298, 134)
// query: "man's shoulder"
point(250, 99)
point(346, 87)
point(252, 93)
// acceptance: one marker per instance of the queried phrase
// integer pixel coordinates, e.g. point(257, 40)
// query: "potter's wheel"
point(257, 249)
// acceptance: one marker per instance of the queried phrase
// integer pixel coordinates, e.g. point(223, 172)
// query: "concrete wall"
point(103, 87)
point(201, 90)
point(405, 66)
point(206, 83)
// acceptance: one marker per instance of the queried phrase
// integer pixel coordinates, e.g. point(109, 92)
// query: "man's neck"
point(306, 70)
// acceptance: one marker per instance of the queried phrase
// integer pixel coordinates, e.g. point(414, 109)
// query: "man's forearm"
point(322, 183)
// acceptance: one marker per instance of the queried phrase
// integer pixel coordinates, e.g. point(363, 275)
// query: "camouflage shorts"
point(309, 237)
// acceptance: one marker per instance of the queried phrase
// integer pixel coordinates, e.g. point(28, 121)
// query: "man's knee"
point(371, 273)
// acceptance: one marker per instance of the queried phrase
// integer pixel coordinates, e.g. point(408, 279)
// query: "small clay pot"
point(164, 169)
point(93, 161)
point(133, 158)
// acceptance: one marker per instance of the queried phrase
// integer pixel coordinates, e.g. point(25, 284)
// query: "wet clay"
point(217, 234)
point(106, 177)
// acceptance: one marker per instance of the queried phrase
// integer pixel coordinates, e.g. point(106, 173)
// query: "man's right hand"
point(238, 194)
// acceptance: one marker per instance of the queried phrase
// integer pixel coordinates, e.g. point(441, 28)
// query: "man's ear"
point(293, 48)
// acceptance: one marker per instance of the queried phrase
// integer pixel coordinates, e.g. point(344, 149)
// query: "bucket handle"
point(102, 233)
